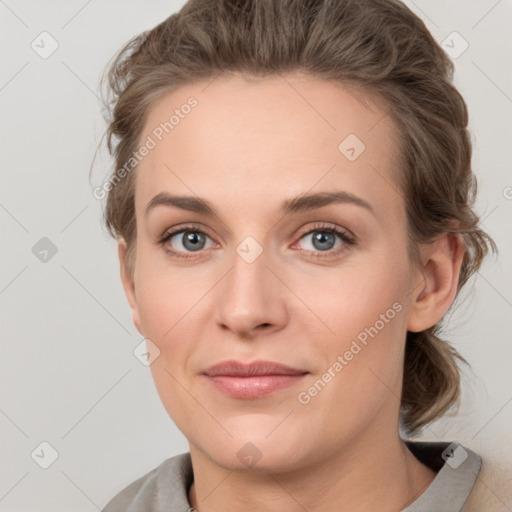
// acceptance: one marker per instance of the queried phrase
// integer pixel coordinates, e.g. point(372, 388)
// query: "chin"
point(254, 452)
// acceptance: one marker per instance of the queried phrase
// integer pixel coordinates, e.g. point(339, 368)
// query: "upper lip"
point(239, 369)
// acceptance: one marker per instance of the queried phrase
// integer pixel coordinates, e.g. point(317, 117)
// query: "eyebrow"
point(298, 204)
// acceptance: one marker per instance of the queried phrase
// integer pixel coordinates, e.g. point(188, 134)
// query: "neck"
point(370, 474)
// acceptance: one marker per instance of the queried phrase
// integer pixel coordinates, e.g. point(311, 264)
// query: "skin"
point(248, 146)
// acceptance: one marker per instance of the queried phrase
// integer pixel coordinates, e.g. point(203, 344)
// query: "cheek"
point(364, 307)
point(166, 295)
point(358, 295)
point(171, 301)
point(361, 370)
point(169, 309)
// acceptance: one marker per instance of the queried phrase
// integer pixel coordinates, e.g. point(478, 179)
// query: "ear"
point(128, 284)
point(439, 275)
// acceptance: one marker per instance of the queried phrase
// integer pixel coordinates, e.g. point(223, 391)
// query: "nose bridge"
point(249, 296)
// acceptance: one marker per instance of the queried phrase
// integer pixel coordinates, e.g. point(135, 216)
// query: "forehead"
point(266, 138)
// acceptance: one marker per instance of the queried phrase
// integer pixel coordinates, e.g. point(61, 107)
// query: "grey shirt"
point(165, 488)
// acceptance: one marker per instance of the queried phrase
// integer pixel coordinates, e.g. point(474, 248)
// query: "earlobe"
point(439, 279)
point(128, 284)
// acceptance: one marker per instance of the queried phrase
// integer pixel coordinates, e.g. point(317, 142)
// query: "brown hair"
point(380, 46)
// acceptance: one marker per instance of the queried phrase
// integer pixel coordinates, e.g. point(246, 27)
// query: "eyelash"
point(347, 240)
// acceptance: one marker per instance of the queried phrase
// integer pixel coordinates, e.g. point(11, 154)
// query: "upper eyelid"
point(187, 227)
point(199, 228)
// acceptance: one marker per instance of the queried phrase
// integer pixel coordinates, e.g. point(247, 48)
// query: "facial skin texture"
point(246, 148)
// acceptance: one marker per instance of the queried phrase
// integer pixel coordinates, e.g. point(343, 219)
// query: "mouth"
point(253, 380)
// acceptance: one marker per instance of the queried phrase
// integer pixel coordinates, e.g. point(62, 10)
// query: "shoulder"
point(466, 480)
point(493, 487)
point(165, 485)
point(457, 469)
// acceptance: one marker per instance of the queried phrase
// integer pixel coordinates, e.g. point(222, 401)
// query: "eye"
point(326, 239)
point(185, 240)
point(322, 240)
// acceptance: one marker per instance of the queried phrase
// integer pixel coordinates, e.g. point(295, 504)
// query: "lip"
point(252, 380)
point(234, 368)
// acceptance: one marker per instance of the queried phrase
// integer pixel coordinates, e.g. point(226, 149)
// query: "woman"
point(292, 200)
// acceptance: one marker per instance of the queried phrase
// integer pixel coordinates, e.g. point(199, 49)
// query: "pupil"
point(323, 241)
point(193, 241)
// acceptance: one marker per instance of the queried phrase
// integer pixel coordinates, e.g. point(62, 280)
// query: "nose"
point(251, 300)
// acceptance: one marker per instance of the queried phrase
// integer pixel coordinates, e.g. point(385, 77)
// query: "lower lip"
point(253, 387)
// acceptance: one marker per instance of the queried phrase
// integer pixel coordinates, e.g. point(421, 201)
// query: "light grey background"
point(68, 373)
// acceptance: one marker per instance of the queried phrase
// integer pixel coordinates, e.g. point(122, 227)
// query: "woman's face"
point(322, 285)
